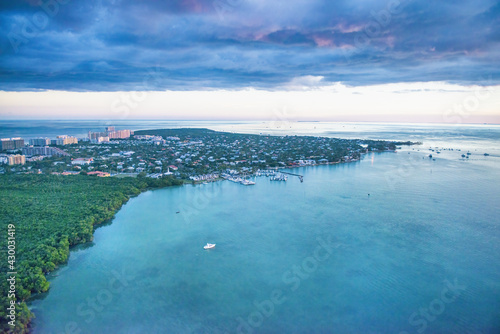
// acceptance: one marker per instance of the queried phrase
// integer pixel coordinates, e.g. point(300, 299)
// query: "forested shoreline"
point(50, 214)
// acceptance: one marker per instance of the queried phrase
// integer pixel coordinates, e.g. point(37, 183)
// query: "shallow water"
point(427, 226)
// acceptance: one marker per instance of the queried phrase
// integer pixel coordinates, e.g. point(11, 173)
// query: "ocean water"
point(463, 134)
point(394, 243)
point(51, 128)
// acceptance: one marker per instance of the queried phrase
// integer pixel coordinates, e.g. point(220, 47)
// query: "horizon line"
point(237, 120)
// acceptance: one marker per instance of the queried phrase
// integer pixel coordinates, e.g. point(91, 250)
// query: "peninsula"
point(54, 201)
point(189, 154)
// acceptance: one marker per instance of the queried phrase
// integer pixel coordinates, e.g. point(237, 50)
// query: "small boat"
point(178, 212)
point(209, 246)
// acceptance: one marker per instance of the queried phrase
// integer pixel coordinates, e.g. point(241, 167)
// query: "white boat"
point(209, 246)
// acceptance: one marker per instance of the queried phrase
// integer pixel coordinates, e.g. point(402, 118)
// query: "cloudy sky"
point(390, 60)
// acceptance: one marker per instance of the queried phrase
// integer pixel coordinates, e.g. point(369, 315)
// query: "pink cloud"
point(195, 6)
point(323, 42)
point(348, 28)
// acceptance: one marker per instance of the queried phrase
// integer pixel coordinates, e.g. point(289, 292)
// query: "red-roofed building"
point(99, 174)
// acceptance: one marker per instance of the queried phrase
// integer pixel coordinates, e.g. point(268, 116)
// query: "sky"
point(354, 60)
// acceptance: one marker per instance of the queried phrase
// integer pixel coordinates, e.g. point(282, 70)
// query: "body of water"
point(394, 243)
point(476, 135)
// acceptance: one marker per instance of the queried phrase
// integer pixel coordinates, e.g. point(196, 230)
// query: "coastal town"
point(192, 155)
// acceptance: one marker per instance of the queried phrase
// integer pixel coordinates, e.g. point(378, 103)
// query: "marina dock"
point(301, 177)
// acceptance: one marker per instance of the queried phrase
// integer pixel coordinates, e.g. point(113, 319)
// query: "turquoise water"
point(420, 254)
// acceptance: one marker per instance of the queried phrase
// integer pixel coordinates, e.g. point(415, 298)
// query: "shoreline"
point(149, 189)
point(24, 313)
point(219, 179)
point(97, 224)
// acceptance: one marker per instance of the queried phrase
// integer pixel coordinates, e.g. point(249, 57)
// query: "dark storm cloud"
point(195, 44)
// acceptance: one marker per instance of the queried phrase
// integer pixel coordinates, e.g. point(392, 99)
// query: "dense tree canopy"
point(51, 213)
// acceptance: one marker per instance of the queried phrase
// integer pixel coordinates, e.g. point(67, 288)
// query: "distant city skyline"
point(386, 61)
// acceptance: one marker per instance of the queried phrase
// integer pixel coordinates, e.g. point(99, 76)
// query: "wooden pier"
point(301, 177)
